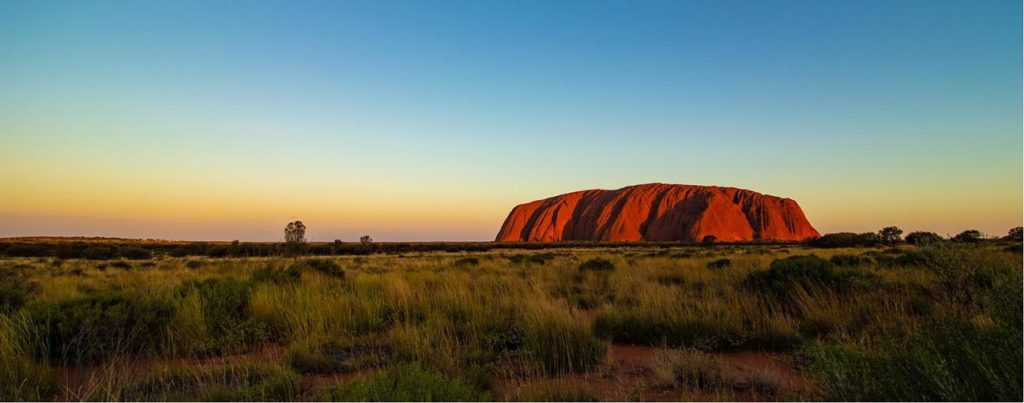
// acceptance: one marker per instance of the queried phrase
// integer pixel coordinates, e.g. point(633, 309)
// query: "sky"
point(430, 120)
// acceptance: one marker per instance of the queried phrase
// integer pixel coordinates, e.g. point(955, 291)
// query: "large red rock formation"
point(658, 212)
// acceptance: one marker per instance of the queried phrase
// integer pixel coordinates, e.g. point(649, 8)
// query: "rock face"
point(658, 212)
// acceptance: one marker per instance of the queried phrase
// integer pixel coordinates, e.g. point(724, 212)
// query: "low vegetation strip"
point(935, 322)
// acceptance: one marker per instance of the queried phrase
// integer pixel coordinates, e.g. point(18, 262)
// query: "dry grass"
point(476, 319)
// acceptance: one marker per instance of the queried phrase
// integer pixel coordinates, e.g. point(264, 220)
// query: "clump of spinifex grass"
point(21, 377)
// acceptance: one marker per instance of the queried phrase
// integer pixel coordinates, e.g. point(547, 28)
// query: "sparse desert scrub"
point(464, 325)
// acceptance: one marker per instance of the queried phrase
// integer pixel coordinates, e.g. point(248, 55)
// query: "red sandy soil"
point(626, 375)
point(658, 212)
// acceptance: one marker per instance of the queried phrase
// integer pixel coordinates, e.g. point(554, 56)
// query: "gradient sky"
point(430, 120)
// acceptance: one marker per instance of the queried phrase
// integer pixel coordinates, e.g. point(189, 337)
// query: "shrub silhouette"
point(845, 240)
point(921, 238)
point(1015, 234)
point(890, 235)
point(969, 236)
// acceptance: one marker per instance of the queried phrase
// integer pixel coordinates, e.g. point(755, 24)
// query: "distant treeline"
point(112, 249)
point(100, 249)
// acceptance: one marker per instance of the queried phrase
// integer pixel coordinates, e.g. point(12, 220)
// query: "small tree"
point(365, 239)
point(1015, 234)
point(295, 236)
point(969, 236)
point(708, 240)
point(921, 238)
point(890, 235)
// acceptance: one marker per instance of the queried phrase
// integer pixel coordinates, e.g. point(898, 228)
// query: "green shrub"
point(406, 383)
point(719, 264)
point(15, 288)
point(597, 265)
point(98, 327)
point(225, 307)
point(709, 332)
point(785, 274)
point(945, 361)
point(21, 378)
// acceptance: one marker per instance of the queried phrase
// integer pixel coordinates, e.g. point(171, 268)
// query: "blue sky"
point(427, 120)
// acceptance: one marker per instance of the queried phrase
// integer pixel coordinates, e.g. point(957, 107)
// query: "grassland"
point(751, 322)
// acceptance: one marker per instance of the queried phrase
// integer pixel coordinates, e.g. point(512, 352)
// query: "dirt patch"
point(627, 373)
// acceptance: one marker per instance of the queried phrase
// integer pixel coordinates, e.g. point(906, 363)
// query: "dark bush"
point(324, 266)
point(784, 274)
point(28, 250)
point(178, 252)
point(100, 252)
point(719, 264)
point(597, 265)
point(98, 327)
point(704, 333)
point(121, 264)
point(536, 258)
point(969, 236)
point(15, 288)
point(136, 253)
point(218, 251)
point(921, 238)
point(226, 312)
point(193, 264)
point(272, 274)
point(846, 240)
point(944, 361)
